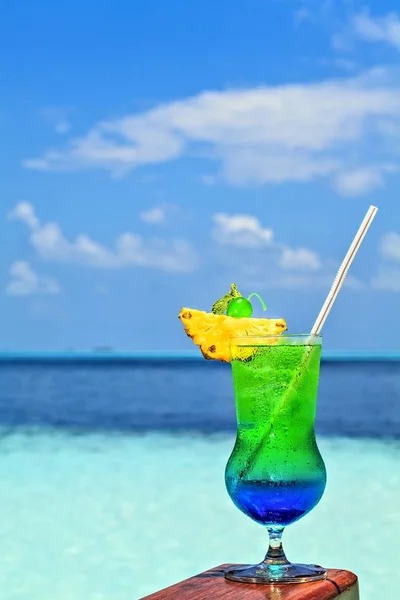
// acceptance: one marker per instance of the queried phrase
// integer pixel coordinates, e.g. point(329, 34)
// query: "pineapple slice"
point(212, 332)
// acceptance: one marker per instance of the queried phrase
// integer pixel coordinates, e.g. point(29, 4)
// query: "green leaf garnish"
point(219, 307)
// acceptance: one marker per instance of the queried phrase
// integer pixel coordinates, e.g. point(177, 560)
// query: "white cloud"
point(388, 280)
point(25, 282)
point(165, 212)
point(244, 231)
point(390, 246)
point(303, 14)
point(57, 117)
point(360, 181)
point(256, 260)
point(129, 249)
point(378, 29)
point(153, 215)
point(256, 166)
point(25, 212)
point(299, 259)
point(388, 276)
point(315, 11)
point(293, 132)
point(62, 126)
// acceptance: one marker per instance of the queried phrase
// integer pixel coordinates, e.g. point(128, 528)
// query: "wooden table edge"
point(340, 579)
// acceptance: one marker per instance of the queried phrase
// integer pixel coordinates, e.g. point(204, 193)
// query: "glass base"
point(276, 573)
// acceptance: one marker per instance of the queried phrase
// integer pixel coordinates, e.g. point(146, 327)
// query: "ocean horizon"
point(120, 356)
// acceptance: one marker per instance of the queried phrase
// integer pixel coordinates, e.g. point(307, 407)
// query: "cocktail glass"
point(275, 473)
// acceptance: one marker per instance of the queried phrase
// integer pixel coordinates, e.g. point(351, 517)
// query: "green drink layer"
point(276, 393)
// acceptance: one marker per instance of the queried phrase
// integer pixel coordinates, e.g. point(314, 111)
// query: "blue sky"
point(154, 152)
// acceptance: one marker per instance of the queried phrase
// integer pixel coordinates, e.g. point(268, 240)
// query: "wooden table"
point(211, 585)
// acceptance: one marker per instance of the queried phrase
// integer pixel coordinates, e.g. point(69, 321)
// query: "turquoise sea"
point(111, 476)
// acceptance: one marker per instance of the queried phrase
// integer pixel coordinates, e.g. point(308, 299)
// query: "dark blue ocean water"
point(356, 398)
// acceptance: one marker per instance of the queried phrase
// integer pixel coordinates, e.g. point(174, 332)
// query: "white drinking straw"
point(337, 284)
point(344, 267)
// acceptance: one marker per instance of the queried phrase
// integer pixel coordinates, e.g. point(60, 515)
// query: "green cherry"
point(239, 307)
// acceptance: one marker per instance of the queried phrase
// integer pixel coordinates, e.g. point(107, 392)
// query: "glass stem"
point(275, 554)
